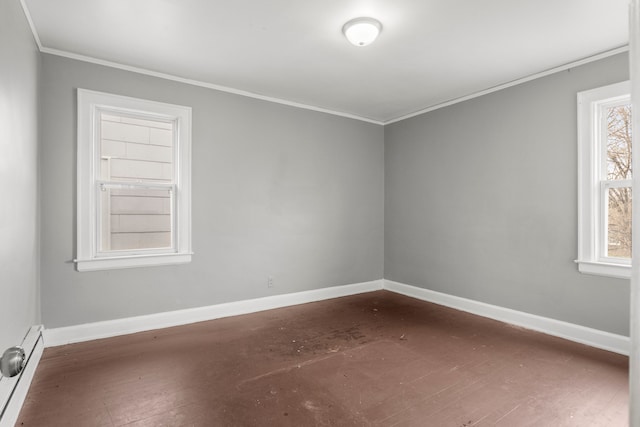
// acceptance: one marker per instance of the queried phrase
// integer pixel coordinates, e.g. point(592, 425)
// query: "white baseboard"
point(86, 332)
point(13, 391)
point(592, 337)
point(110, 328)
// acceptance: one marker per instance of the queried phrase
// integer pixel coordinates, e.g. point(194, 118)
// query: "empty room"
point(279, 213)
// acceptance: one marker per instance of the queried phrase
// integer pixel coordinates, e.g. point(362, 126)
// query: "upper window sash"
point(593, 185)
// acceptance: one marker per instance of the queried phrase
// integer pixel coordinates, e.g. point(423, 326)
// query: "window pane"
point(619, 142)
point(135, 219)
point(136, 150)
point(619, 222)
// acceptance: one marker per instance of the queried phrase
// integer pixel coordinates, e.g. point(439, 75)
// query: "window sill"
point(111, 263)
point(619, 271)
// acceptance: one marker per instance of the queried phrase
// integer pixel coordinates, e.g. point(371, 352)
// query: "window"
point(604, 179)
point(134, 183)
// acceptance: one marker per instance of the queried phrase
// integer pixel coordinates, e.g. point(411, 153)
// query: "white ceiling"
point(429, 51)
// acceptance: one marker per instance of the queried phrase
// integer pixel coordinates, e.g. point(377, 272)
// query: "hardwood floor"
point(378, 359)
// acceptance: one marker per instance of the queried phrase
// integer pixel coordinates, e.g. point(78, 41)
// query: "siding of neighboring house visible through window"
point(136, 150)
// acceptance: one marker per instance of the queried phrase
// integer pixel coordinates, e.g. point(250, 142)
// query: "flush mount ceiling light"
point(362, 31)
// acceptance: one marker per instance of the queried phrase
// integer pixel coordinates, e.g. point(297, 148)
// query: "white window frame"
point(89, 258)
point(592, 186)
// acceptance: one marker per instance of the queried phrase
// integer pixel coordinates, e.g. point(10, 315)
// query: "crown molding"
point(27, 15)
point(206, 85)
point(564, 67)
point(226, 89)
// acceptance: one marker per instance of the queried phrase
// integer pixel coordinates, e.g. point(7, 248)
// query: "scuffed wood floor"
point(378, 359)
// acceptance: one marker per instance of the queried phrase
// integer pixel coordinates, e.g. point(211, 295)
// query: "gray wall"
point(19, 67)
point(280, 191)
point(481, 201)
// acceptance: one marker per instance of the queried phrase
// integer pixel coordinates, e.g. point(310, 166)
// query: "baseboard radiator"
point(13, 391)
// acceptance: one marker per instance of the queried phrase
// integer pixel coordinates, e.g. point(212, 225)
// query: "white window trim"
point(88, 257)
point(590, 234)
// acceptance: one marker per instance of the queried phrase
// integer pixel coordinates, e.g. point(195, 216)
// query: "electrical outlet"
point(270, 282)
